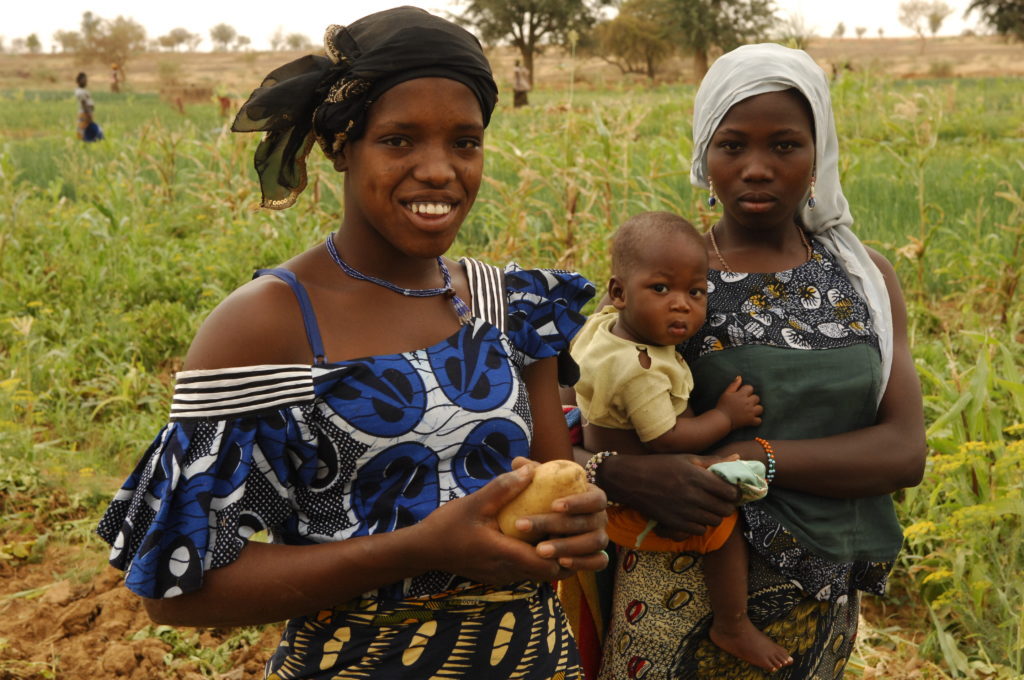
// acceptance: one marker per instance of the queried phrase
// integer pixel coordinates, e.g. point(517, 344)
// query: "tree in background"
point(111, 42)
point(90, 29)
point(840, 30)
point(860, 31)
point(69, 41)
point(936, 15)
point(176, 38)
point(794, 32)
point(914, 15)
point(32, 44)
point(724, 24)
point(118, 40)
point(638, 39)
point(1005, 16)
point(297, 41)
point(222, 35)
point(528, 24)
point(277, 41)
point(241, 42)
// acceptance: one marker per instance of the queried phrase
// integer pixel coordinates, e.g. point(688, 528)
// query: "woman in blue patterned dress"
point(817, 324)
point(370, 403)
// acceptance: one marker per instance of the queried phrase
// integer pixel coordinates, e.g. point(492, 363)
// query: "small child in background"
point(87, 129)
point(632, 378)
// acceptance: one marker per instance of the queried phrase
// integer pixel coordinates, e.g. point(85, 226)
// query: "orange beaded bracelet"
point(769, 452)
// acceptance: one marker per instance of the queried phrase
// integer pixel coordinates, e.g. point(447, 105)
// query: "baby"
point(632, 378)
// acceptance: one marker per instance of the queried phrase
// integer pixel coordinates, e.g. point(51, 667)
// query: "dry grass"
point(238, 72)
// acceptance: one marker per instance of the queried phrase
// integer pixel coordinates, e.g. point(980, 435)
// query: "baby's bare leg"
point(725, 572)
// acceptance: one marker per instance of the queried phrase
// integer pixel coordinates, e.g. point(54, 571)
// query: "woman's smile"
point(432, 215)
point(433, 209)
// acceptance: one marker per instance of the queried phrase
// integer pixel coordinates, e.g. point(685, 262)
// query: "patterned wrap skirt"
point(661, 618)
point(497, 633)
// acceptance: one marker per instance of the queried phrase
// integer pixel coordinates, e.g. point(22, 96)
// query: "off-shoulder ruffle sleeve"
point(544, 309)
point(219, 472)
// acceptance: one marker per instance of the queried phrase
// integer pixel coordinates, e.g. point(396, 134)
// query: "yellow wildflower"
point(938, 575)
point(919, 529)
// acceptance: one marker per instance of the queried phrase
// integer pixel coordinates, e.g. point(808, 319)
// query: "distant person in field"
point(370, 403)
point(520, 85)
point(87, 129)
point(801, 309)
point(632, 378)
point(116, 78)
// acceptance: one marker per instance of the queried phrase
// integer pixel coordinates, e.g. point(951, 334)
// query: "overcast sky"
point(311, 17)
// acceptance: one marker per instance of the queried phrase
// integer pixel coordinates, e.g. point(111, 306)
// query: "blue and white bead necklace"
point(461, 308)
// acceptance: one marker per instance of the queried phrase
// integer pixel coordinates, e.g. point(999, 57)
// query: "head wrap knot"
point(326, 98)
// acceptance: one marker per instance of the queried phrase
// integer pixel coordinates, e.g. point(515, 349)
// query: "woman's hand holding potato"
point(569, 521)
point(463, 536)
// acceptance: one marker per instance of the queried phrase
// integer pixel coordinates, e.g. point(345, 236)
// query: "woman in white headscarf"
point(817, 324)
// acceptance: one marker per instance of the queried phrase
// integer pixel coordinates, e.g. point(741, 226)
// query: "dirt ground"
point(64, 614)
point(66, 629)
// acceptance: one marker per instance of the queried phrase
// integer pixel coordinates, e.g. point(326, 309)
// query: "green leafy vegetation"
point(111, 254)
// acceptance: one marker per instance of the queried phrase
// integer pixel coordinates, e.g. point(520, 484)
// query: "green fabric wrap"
point(747, 475)
point(808, 394)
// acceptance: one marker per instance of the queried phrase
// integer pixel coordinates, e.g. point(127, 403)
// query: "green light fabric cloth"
point(748, 475)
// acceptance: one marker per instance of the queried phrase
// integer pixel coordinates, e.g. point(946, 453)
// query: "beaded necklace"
point(725, 265)
point(461, 308)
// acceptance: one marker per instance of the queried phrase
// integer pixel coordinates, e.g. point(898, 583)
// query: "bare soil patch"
point(75, 629)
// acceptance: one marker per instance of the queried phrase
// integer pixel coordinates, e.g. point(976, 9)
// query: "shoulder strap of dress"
point(487, 286)
point(308, 315)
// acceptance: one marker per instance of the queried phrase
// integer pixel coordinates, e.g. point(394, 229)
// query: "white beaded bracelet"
point(595, 461)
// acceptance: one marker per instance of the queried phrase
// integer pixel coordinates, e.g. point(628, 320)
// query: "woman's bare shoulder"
point(259, 323)
point(881, 261)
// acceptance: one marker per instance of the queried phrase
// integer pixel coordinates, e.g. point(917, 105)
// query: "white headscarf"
point(756, 69)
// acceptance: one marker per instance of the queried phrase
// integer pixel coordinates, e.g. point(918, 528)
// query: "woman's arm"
point(576, 525)
point(459, 537)
point(674, 489)
point(879, 459)
point(550, 433)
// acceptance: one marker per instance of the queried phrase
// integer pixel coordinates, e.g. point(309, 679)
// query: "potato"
point(551, 480)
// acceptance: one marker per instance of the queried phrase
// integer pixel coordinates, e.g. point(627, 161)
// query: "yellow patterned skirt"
point(660, 618)
point(483, 633)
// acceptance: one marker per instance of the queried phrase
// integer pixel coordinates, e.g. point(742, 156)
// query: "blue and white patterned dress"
point(327, 452)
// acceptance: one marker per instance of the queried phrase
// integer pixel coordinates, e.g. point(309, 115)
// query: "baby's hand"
point(740, 404)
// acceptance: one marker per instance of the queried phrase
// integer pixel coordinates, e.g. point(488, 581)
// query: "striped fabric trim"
point(487, 285)
point(245, 389)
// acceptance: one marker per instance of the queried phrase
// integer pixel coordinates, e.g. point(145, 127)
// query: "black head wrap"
point(326, 98)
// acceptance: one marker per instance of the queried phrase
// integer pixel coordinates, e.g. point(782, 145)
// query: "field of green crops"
point(111, 254)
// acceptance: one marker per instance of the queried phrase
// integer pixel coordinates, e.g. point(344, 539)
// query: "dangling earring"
point(810, 199)
point(711, 198)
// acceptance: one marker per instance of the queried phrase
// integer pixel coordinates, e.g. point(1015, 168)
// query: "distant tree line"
point(643, 34)
point(114, 41)
point(638, 38)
